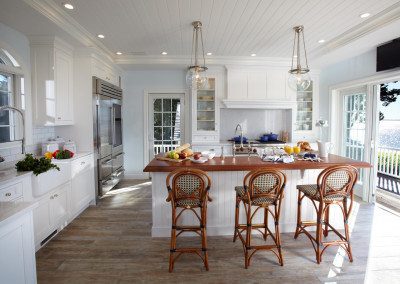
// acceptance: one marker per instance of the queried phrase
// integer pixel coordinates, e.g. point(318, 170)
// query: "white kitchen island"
point(228, 173)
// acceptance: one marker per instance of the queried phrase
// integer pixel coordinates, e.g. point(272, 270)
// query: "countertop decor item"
point(38, 166)
point(63, 154)
point(196, 74)
point(299, 78)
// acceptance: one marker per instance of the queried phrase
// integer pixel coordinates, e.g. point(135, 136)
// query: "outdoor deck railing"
point(163, 148)
point(389, 161)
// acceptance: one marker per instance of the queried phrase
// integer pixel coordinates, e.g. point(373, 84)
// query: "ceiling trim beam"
point(368, 26)
point(58, 16)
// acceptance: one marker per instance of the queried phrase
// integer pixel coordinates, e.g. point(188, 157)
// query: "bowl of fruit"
point(198, 158)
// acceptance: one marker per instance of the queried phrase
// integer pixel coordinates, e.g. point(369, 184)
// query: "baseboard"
point(135, 175)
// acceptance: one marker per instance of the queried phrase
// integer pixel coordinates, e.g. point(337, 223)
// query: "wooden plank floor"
point(111, 243)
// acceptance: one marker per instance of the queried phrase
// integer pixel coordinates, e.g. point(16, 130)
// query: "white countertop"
point(10, 210)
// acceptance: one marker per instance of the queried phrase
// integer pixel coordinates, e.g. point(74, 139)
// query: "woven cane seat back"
point(189, 187)
point(264, 186)
point(337, 181)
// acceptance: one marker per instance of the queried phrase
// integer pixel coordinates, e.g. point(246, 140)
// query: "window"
point(11, 84)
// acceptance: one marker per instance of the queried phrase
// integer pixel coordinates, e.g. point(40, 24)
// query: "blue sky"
point(392, 111)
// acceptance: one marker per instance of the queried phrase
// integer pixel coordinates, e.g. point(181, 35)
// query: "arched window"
point(11, 93)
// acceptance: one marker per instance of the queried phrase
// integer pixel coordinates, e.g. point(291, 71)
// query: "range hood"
point(258, 88)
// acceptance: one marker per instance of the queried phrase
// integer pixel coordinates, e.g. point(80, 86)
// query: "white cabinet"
point(206, 109)
point(52, 82)
point(258, 88)
point(105, 71)
point(82, 184)
point(52, 212)
point(17, 257)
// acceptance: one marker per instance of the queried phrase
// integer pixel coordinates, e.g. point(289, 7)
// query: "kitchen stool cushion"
point(311, 191)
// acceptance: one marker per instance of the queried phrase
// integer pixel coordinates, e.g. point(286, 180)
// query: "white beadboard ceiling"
point(231, 27)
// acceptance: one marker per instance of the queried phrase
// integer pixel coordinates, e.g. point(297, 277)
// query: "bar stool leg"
point(265, 223)
point(319, 233)
point(346, 229)
point(296, 234)
point(248, 237)
point(204, 237)
point(326, 221)
point(278, 236)
point(173, 242)
point(236, 218)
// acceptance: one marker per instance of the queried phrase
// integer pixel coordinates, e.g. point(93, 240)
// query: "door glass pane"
point(167, 124)
point(354, 127)
point(6, 130)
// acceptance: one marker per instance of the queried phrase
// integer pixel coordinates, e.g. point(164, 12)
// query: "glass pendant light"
point(196, 74)
point(299, 78)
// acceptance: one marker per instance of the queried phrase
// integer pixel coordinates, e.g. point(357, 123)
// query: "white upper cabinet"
point(258, 88)
point(52, 82)
point(105, 71)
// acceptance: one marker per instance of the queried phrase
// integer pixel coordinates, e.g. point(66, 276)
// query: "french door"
point(166, 122)
point(356, 133)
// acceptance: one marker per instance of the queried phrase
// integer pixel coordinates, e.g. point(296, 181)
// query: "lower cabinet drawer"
point(205, 138)
point(82, 164)
point(11, 193)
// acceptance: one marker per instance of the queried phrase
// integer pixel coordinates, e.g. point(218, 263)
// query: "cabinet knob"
point(55, 195)
point(58, 117)
point(8, 194)
point(52, 197)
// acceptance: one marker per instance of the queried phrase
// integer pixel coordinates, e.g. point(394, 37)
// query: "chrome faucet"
point(241, 134)
point(3, 108)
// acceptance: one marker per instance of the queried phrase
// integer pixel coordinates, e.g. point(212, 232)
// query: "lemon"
point(176, 156)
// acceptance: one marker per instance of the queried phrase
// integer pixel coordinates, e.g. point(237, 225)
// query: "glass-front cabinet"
point(305, 108)
point(205, 112)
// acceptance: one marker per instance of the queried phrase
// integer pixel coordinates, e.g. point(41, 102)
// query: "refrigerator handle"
point(112, 125)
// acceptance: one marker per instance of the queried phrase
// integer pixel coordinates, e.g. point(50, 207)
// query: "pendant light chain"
point(305, 51)
point(196, 74)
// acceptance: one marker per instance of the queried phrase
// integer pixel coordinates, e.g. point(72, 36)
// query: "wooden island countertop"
point(245, 163)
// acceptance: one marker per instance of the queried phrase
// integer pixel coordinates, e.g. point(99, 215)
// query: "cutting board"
point(171, 160)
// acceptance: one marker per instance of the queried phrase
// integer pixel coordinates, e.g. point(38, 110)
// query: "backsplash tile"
point(40, 134)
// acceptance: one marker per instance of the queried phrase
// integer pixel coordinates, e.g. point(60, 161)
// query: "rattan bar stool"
point(262, 189)
point(334, 186)
point(188, 191)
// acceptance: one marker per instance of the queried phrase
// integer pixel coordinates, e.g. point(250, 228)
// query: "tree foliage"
point(387, 97)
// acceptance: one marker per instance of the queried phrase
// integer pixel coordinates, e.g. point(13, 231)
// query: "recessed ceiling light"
point(209, 53)
point(321, 41)
point(253, 54)
point(118, 53)
point(365, 15)
point(100, 36)
point(164, 53)
point(68, 6)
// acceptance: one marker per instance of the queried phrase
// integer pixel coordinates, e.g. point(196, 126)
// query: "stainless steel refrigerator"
point(107, 111)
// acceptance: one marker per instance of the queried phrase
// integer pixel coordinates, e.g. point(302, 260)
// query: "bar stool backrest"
point(265, 183)
point(337, 180)
point(188, 185)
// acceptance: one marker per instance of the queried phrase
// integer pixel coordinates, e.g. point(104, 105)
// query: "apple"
point(182, 155)
point(196, 156)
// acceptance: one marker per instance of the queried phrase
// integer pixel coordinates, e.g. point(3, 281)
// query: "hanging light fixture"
point(299, 78)
point(196, 74)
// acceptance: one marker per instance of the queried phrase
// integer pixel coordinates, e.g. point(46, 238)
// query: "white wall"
point(255, 122)
point(134, 83)
point(357, 67)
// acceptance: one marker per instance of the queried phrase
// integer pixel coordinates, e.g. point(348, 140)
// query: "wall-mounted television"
point(388, 55)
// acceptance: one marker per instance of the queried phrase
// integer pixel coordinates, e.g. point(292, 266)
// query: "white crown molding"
point(259, 104)
point(215, 60)
point(57, 15)
point(376, 22)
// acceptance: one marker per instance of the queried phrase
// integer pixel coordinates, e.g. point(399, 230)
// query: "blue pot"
point(237, 139)
point(272, 137)
point(264, 138)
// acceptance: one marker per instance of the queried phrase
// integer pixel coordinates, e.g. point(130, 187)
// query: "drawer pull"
point(55, 195)
point(8, 194)
point(82, 163)
point(52, 197)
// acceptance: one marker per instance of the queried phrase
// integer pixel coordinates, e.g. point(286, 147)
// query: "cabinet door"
point(17, 259)
point(41, 220)
point(59, 205)
point(63, 86)
point(82, 185)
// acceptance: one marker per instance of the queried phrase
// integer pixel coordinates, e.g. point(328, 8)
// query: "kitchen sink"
point(46, 182)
